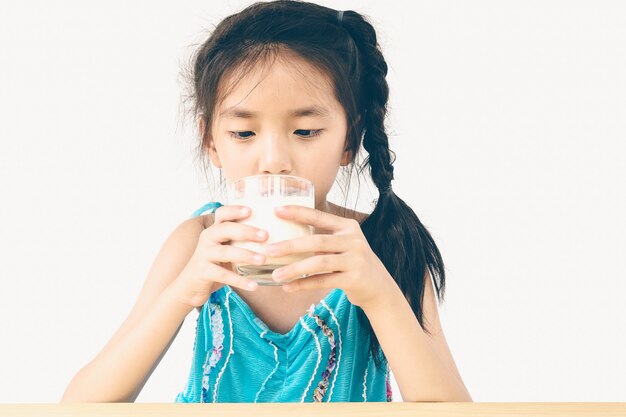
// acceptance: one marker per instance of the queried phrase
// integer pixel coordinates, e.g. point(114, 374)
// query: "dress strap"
point(210, 207)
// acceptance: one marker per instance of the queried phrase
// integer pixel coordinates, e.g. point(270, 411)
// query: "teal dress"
point(325, 357)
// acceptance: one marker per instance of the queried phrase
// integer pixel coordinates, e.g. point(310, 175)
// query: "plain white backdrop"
point(508, 119)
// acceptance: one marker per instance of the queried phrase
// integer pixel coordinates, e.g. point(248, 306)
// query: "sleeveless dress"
point(324, 357)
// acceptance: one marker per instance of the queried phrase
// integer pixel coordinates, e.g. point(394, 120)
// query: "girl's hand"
point(342, 259)
point(209, 268)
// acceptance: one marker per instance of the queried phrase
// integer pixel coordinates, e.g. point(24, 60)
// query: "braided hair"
point(344, 46)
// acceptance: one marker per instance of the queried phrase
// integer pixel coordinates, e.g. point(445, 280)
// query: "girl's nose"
point(275, 157)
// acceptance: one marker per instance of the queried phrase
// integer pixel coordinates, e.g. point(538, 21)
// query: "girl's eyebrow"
point(314, 111)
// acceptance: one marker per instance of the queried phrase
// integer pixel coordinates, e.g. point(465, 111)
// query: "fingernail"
point(261, 233)
point(280, 209)
point(258, 258)
point(252, 285)
point(245, 210)
point(277, 274)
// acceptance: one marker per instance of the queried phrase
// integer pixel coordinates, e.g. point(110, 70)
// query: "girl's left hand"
point(342, 259)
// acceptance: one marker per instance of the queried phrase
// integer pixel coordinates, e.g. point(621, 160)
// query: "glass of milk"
point(262, 193)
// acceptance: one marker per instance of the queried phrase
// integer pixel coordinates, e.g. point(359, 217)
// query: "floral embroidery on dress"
point(388, 384)
point(320, 391)
point(217, 329)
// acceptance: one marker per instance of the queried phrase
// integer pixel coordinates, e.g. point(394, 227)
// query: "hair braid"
point(407, 249)
point(375, 95)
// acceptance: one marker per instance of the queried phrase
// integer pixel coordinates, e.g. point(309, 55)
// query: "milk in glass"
point(262, 203)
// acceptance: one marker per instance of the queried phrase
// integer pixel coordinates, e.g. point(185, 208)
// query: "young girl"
point(289, 87)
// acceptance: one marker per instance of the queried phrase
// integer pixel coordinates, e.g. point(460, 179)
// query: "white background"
point(508, 120)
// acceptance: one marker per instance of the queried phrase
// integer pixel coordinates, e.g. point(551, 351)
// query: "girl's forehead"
point(286, 81)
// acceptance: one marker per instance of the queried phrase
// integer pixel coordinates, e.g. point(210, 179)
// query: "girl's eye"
point(241, 135)
point(305, 133)
point(310, 134)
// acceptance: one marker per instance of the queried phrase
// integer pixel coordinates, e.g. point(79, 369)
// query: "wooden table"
point(396, 409)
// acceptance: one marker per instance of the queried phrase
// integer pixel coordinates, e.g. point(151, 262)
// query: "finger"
point(232, 254)
point(310, 243)
point(224, 276)
point(231, 213)
point(228, 231)
point(312, 265)
point(332, 280)
point(314, 217)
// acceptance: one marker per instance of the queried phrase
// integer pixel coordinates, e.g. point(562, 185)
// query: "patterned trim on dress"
point(365, 379)
point(273, 371)
point(230, 351)
point(213, 357)
point(322, 386)
point(332, 314)
point(388, 384)
point(319, 357)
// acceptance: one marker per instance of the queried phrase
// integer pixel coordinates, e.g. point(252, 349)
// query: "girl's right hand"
point(209, 268)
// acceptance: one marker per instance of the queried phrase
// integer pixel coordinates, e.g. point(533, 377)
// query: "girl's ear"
point(213, 155)
point(215, 158)
point(346, 158)
point(347, 155)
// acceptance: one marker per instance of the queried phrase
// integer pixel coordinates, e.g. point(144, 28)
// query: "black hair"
point(347, 51)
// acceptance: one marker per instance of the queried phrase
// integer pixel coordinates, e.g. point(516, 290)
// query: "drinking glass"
point(262, 193)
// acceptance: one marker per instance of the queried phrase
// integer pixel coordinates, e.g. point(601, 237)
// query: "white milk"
point(263, 217)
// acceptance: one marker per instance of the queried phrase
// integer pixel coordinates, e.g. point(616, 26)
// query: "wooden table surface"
point(394, 409)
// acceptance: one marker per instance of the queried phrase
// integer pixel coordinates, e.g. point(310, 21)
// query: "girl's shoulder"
point(348, 213)
point(206, 220)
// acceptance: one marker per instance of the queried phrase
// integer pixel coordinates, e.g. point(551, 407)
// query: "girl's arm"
point(119, 371)
point(422, 364)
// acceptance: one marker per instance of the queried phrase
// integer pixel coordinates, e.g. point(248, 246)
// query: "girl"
point(289, 87)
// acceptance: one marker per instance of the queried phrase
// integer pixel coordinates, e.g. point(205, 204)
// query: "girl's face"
point(283, 119)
